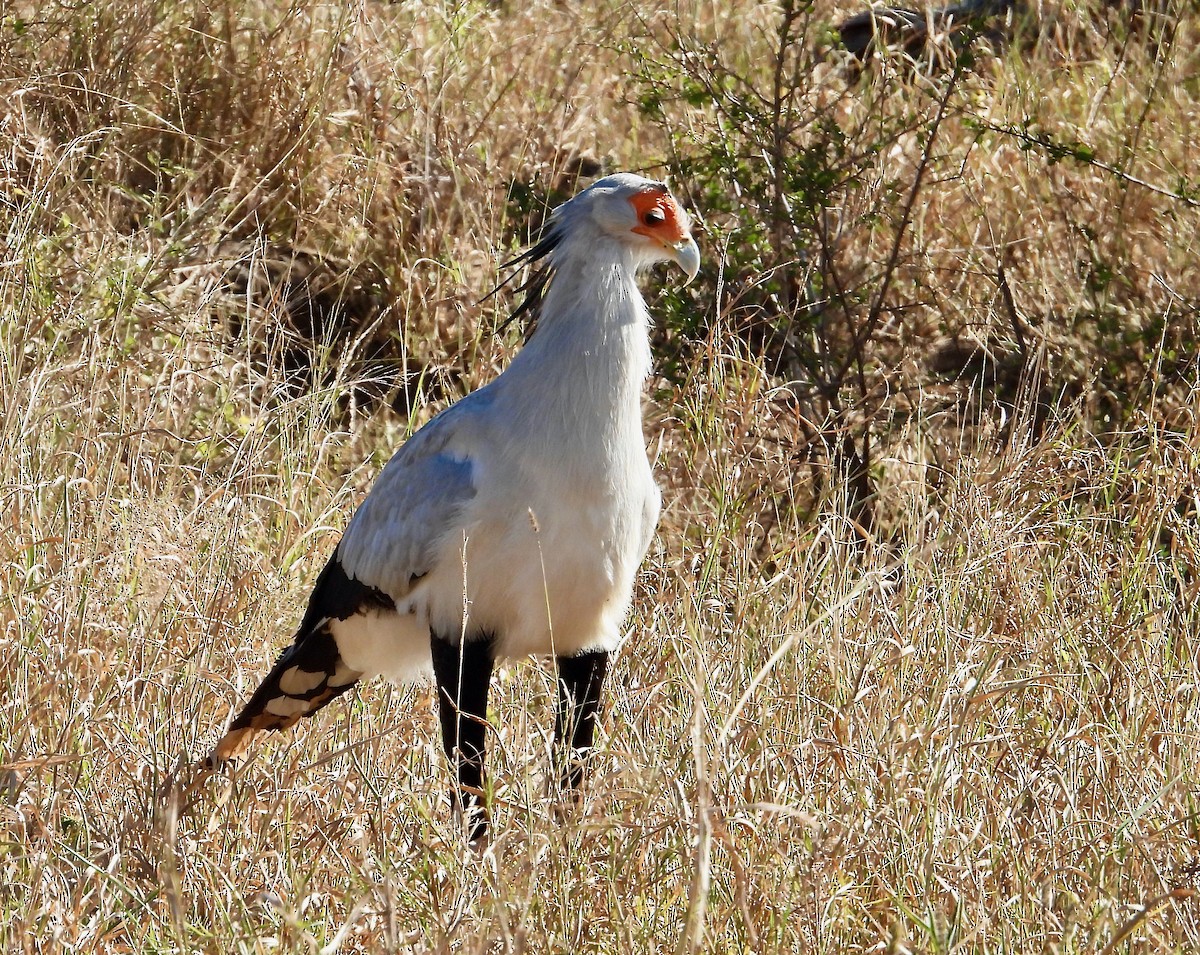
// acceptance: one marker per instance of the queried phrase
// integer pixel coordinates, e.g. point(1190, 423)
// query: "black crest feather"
point(534, 287)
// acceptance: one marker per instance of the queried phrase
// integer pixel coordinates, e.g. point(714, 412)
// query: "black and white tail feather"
point(310, 672)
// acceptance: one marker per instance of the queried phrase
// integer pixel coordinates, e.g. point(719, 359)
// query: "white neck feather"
point(580, 376)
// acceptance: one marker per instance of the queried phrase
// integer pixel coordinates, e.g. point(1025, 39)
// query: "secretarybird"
point(512, 523)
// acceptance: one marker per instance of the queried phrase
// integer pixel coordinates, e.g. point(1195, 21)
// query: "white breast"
point(549, 570)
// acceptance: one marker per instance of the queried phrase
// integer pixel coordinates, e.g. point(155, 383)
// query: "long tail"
point(307, 675)
point(310, 672)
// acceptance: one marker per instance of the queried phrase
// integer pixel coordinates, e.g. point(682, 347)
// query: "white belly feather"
point(555, 581)
point(379, 643)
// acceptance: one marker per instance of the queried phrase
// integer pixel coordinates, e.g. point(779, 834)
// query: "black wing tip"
point(338, 595)
point(308, 673)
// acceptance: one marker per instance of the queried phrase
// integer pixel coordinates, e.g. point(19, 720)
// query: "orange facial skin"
point(649, 205)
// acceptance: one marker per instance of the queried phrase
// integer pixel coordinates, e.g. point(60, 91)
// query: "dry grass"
point(978, 736)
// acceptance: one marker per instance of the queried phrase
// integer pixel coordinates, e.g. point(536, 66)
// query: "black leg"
point(580, 684)
point(464, 672)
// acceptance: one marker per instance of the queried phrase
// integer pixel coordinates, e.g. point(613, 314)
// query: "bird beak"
point(686, 255)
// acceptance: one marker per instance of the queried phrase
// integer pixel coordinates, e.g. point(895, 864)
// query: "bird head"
point(640, 213)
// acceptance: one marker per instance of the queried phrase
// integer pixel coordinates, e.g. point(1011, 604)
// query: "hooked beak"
point(686, 255)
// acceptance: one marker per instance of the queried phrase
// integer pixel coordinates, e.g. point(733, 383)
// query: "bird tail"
point(307, 675)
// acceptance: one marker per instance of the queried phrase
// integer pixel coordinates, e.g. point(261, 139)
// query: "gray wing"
point(416, 502)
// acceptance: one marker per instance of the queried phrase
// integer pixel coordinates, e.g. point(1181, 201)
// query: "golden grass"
point(980, 735)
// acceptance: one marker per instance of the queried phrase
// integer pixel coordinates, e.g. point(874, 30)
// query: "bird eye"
point(654, 217)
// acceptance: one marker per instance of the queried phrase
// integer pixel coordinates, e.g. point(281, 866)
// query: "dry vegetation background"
point(913, 664)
